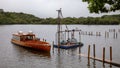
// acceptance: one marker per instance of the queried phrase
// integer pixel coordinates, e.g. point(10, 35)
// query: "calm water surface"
point(12, 56)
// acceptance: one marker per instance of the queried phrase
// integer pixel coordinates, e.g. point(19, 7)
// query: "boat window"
point(29, 38)
point(16, 37)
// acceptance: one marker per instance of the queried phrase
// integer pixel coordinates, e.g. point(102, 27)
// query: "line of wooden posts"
point(103, 57)
point(99, 59)
point(90, 33)
point(115, 34)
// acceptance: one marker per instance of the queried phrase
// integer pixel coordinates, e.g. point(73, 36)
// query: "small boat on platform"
point(63, 39)
point(69, 42)
point(68, 46)
point(30, 40)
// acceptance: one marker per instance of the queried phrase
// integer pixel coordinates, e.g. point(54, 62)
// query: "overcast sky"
point(47, 8)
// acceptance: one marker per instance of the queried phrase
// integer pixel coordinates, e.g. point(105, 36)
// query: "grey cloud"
point(47, 8)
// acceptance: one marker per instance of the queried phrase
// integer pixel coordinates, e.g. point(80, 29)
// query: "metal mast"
point(59, 25)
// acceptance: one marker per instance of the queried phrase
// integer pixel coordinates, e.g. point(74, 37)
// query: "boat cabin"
point(20, 36)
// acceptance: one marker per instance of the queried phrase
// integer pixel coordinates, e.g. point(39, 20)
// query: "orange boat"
point(29, 40)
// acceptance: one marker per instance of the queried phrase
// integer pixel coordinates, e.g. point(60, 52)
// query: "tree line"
point(22, 18)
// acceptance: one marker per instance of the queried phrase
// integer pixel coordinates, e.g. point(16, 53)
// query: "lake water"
point(12, 56)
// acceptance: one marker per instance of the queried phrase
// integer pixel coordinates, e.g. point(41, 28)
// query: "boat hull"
point(37, 45)
point(68, 46)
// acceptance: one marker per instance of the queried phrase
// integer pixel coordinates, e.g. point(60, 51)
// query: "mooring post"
point(88, 55)
point(79, 37)
point(94, 63)
point(99, 34)
point(110, 54)
point(88, 51)
point(89, 33)
point(79, 50)
point(103, 55)
point(94, 51)
point(53, 46)
point(96, 33)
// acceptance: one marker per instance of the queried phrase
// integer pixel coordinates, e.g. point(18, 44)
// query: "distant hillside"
point(22, 18)
point(17, 18)
point(104, 20)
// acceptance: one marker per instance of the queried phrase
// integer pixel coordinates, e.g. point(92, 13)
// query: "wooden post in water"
point(99, 34)
point(103, 55)
point(53, 47)
point(79, 50)
point(79, 37)
point(94, 55)
point(107, 34)
point(110, 54)
point(88, 55)
point(94, 51)
point(89, 33)
point(88, 52)
point(96, 33)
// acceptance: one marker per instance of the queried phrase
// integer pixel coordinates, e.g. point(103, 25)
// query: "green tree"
point(100, 6)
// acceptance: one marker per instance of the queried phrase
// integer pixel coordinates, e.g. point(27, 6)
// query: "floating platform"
point(68, 46)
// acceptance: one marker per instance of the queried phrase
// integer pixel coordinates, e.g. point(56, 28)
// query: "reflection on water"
point(70, 56)
point(65, 55)
point(12, 56)
point(21, 50)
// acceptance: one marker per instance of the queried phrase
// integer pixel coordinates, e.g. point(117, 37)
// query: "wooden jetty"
point(100, 59)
